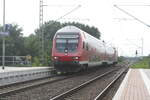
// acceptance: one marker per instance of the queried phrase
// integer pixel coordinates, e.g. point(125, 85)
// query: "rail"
point(102, 94)
point(71, 91)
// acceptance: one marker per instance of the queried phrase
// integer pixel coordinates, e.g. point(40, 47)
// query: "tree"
point(14, 42)
point(32, 48)
point(50, 28)
point(91, 30)
point(31, 45)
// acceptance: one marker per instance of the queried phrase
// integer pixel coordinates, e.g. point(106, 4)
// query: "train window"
point(87, 47)
point(61, 45)
point(61, 41)
point(83, 44)
point(67, 36)
point(73, 41)
point(72, 45)
point(66, 44)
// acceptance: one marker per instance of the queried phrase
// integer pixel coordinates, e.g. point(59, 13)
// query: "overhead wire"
point(131, 15)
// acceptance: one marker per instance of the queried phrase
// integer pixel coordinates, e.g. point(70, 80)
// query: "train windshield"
point(68, 45)
point(72, 45)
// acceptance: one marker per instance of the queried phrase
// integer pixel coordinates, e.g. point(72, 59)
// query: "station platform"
point(10, 75)
point(135, 86)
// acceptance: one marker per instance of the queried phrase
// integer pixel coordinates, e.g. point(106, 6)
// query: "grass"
point(144, 63)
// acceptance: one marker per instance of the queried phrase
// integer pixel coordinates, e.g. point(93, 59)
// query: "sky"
point(117, 28)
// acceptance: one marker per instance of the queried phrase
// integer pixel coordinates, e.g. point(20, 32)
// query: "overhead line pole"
point(3, 46)
point(142, 45)
point(134, 18)
point(41, 34)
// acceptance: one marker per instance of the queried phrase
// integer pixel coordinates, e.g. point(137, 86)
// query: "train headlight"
point(55, 58)
point(76, 58)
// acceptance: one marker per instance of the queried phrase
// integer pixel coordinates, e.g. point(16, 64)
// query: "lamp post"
point(3, 46)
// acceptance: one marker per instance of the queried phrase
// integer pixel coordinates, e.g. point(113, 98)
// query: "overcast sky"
point(117, 28)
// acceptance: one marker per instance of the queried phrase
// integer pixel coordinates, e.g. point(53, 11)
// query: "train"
point(74, 50)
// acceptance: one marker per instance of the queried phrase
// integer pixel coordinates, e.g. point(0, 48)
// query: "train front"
point(65, 51)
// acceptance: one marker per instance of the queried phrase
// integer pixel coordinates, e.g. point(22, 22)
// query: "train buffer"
point(135, 86)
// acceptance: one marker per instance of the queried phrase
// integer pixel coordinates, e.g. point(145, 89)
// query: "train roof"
point(69, 29)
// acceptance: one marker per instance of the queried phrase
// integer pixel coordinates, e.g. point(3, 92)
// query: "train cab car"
point(74, 49)
point(66, 49)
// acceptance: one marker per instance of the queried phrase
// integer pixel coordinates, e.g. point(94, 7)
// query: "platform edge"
point(121, 87)
point(146, 80)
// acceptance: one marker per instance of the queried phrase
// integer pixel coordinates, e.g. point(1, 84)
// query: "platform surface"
point(135, 86)
point(147, 72)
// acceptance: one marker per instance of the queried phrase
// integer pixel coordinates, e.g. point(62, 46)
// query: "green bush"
point(36, 61)
point(143, 63)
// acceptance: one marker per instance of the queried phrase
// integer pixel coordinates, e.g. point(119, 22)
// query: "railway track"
point(107, 88)
point(13, 88)
point(50, 88)
point(66, 95)
point(18, 87)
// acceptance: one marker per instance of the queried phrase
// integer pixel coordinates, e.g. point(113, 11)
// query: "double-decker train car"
point(73, 50)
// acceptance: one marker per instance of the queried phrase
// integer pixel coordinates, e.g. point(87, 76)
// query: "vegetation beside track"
point(143, 63)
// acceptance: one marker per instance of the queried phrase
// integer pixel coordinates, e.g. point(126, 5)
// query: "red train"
point(73, 50)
